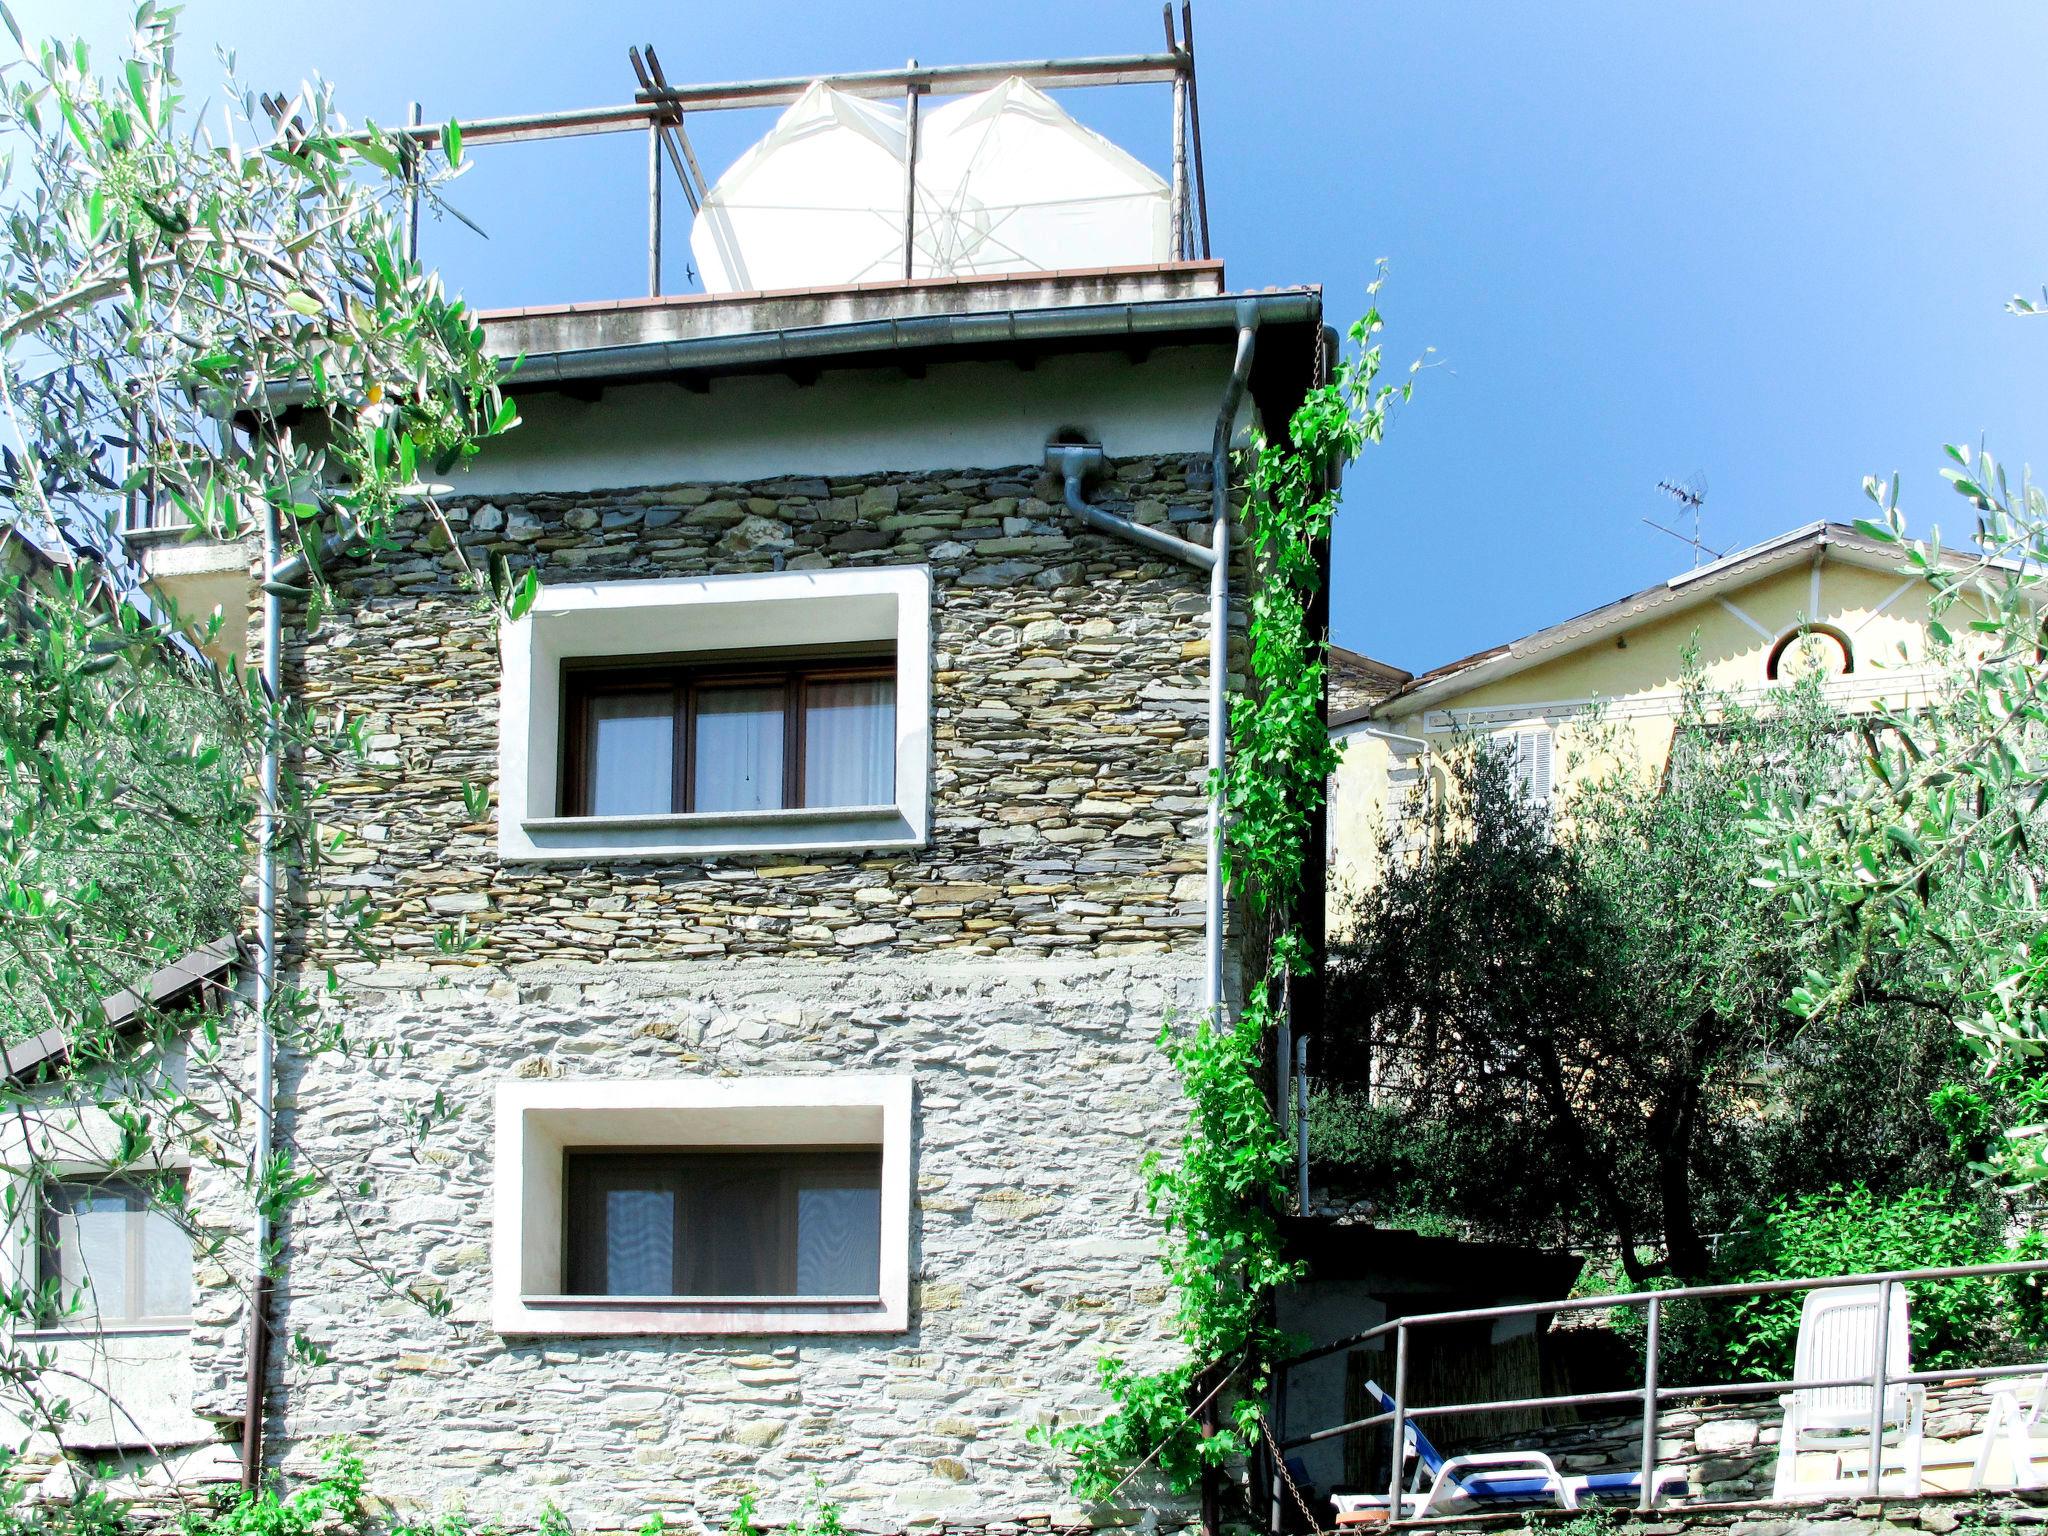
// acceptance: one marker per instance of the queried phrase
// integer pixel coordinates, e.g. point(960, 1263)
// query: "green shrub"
point(336, 1498)
point(91, 1514)
point(1955, 1323)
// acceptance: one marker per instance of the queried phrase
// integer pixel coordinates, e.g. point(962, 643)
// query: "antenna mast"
point(1691, 494)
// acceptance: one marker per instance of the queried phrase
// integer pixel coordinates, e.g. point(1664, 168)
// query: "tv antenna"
point(1691, 495)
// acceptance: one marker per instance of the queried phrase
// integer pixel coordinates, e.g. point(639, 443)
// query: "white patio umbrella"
point(1007, 182)
point(1011, 183)
point(816, 203)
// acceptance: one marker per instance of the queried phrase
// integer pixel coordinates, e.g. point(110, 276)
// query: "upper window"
point(725, 1223)
point(763, 734)
point(722, 714)
point(109, 1253)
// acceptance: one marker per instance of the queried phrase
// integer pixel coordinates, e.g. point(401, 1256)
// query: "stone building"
point(847, 848)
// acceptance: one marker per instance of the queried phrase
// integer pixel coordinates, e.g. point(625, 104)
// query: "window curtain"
point(123, 1259)
point(838, 1239)
point(850, 742)
point(632, 753)
point(739, 748)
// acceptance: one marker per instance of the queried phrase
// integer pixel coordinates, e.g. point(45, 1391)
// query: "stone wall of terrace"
point(1729, 1448)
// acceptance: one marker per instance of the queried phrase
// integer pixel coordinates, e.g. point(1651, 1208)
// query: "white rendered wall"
point(981, 415)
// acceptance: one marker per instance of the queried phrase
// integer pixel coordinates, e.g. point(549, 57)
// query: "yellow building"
point(1746, 612)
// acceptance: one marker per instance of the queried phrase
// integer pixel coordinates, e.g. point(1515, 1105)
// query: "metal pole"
point(910, 99)
point(1180, 167)
point(1877, 1384)
point(654, 211)
point(135, 502)
point(1187, 33)
point(1279, 1437)
point(412, 193)
point(1399, 1424)
point(1648, 1499)
point(1301, 1117)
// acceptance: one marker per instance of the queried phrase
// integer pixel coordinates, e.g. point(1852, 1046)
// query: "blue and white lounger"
point(1499, 1478)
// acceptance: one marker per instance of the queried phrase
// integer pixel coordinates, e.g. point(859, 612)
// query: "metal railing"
point(1653, 1392)
point(659, 109)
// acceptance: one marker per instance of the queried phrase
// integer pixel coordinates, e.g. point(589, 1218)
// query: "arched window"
point(1808, 648)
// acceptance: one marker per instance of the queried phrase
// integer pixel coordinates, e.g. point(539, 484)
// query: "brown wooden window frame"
point(859, 1166)
point(684, 679)
point(135, 1238)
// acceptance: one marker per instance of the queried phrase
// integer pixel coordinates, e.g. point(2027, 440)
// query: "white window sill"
point(588, 1316)
point(89, 1330)
point(700, 834)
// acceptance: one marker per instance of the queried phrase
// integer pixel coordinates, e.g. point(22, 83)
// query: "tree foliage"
point(223, 326)
point(1583, 1015)
point(1935, 850)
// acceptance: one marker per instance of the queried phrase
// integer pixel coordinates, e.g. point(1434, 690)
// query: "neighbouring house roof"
point(1688, 589)
point(1357, 682)
point(20, 549)
point(202, 976)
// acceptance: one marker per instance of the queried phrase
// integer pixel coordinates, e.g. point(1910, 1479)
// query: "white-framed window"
point(1529, 764)
point(703, 1206)
point(718, 714)
point(109, 1255)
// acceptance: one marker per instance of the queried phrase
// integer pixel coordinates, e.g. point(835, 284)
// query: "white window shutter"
point(1532, 765)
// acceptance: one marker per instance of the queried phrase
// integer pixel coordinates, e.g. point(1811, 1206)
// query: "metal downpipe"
point(1219, 642)
point(1075, 462)
point(264, 1066)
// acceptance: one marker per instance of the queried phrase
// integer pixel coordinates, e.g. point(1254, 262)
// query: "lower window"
point(110, 1253)
point(703, 1205)
point(724, 1224)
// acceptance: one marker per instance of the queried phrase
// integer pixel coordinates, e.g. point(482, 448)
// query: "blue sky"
point(1758, 242)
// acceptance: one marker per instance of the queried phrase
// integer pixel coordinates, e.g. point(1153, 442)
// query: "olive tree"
point(221, 318)
point(1581, 1016)
point(1935, 850)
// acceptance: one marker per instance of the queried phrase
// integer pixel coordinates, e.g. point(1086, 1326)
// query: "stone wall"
point(1729, 1448)
point(1975, 1515)
point(1018, 967)
point(1039, 1089)
point(1069, 726)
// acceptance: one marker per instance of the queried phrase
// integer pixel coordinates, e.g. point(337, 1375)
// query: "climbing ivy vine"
point(1220, 1201)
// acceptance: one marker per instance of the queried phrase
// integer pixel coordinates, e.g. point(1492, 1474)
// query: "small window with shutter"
point(1530, 765)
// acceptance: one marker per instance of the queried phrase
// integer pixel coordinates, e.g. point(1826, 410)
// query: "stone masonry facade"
point(1019, 967)
point(1068, 721)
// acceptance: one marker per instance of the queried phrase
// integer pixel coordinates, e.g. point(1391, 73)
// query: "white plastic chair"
point(2016, 1428)
point(1837, 1342)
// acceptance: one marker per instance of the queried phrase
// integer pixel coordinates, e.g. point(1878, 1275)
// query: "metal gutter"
point(1066, 323)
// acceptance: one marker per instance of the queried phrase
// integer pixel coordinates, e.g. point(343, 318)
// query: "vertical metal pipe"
point(412, 191)
point(1179, 204)
point(263, 1067)
point(1399, 1424)
point(1648, 1497)
point(1201, 198)
point(1878, 1363)
point(654, 209)
point(910, 114)
point(1278, 1455)
point(1301, 1119)
point(1219, 645)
